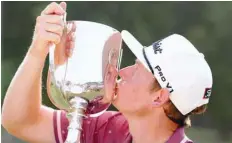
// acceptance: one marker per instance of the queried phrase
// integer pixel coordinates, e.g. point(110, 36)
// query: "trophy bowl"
point(75, 81)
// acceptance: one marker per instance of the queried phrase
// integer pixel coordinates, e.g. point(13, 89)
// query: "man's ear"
point(160, 97)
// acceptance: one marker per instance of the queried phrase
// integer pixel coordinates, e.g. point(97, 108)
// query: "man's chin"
point(119, 106)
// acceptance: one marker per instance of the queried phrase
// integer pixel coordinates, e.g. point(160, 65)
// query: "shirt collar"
point(177, 136)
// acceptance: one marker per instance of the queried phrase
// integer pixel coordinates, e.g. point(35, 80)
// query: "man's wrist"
point(37, 53)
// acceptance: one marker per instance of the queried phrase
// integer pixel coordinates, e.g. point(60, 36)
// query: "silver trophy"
point(75, 81)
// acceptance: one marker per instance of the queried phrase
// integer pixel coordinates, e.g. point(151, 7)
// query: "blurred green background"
point(208, 25)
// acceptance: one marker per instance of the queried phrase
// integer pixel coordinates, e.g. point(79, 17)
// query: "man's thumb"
point(63, 5)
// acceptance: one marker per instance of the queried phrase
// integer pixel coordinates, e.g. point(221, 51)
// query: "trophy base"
point(75, 116)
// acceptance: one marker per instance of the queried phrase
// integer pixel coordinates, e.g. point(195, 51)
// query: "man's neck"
point(151, 128)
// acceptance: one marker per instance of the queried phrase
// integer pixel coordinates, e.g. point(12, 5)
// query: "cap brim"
point(134, 45)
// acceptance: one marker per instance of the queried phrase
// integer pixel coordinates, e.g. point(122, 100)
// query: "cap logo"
point(156, 47)
point(163, 79)
point(207, 93)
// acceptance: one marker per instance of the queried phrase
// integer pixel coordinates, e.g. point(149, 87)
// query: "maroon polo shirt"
point(110, 127)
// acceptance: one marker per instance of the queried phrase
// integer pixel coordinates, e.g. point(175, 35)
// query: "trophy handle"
point(52, 58)
point(53, 46)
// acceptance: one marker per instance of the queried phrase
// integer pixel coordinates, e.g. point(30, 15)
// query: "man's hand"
point(49, 28)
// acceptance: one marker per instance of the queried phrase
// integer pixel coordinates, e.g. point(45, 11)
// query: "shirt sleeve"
point(89, 128)
point(60, 124)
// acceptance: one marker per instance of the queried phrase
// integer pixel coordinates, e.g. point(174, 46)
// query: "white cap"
point(178, 66)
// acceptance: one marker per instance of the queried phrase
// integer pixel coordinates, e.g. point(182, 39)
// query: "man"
point(169, 81)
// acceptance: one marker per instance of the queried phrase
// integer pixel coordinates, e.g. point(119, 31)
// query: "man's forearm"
point(23, 98)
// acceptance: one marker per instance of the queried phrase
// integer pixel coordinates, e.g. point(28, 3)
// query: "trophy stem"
point(75, 116)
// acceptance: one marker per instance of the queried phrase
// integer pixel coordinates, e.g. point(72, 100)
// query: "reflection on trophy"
point(75, 81)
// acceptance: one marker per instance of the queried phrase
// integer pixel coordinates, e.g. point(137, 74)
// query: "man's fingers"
point(54, 28)
point(53, 8)
point(53, 19)
point(52, 37)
